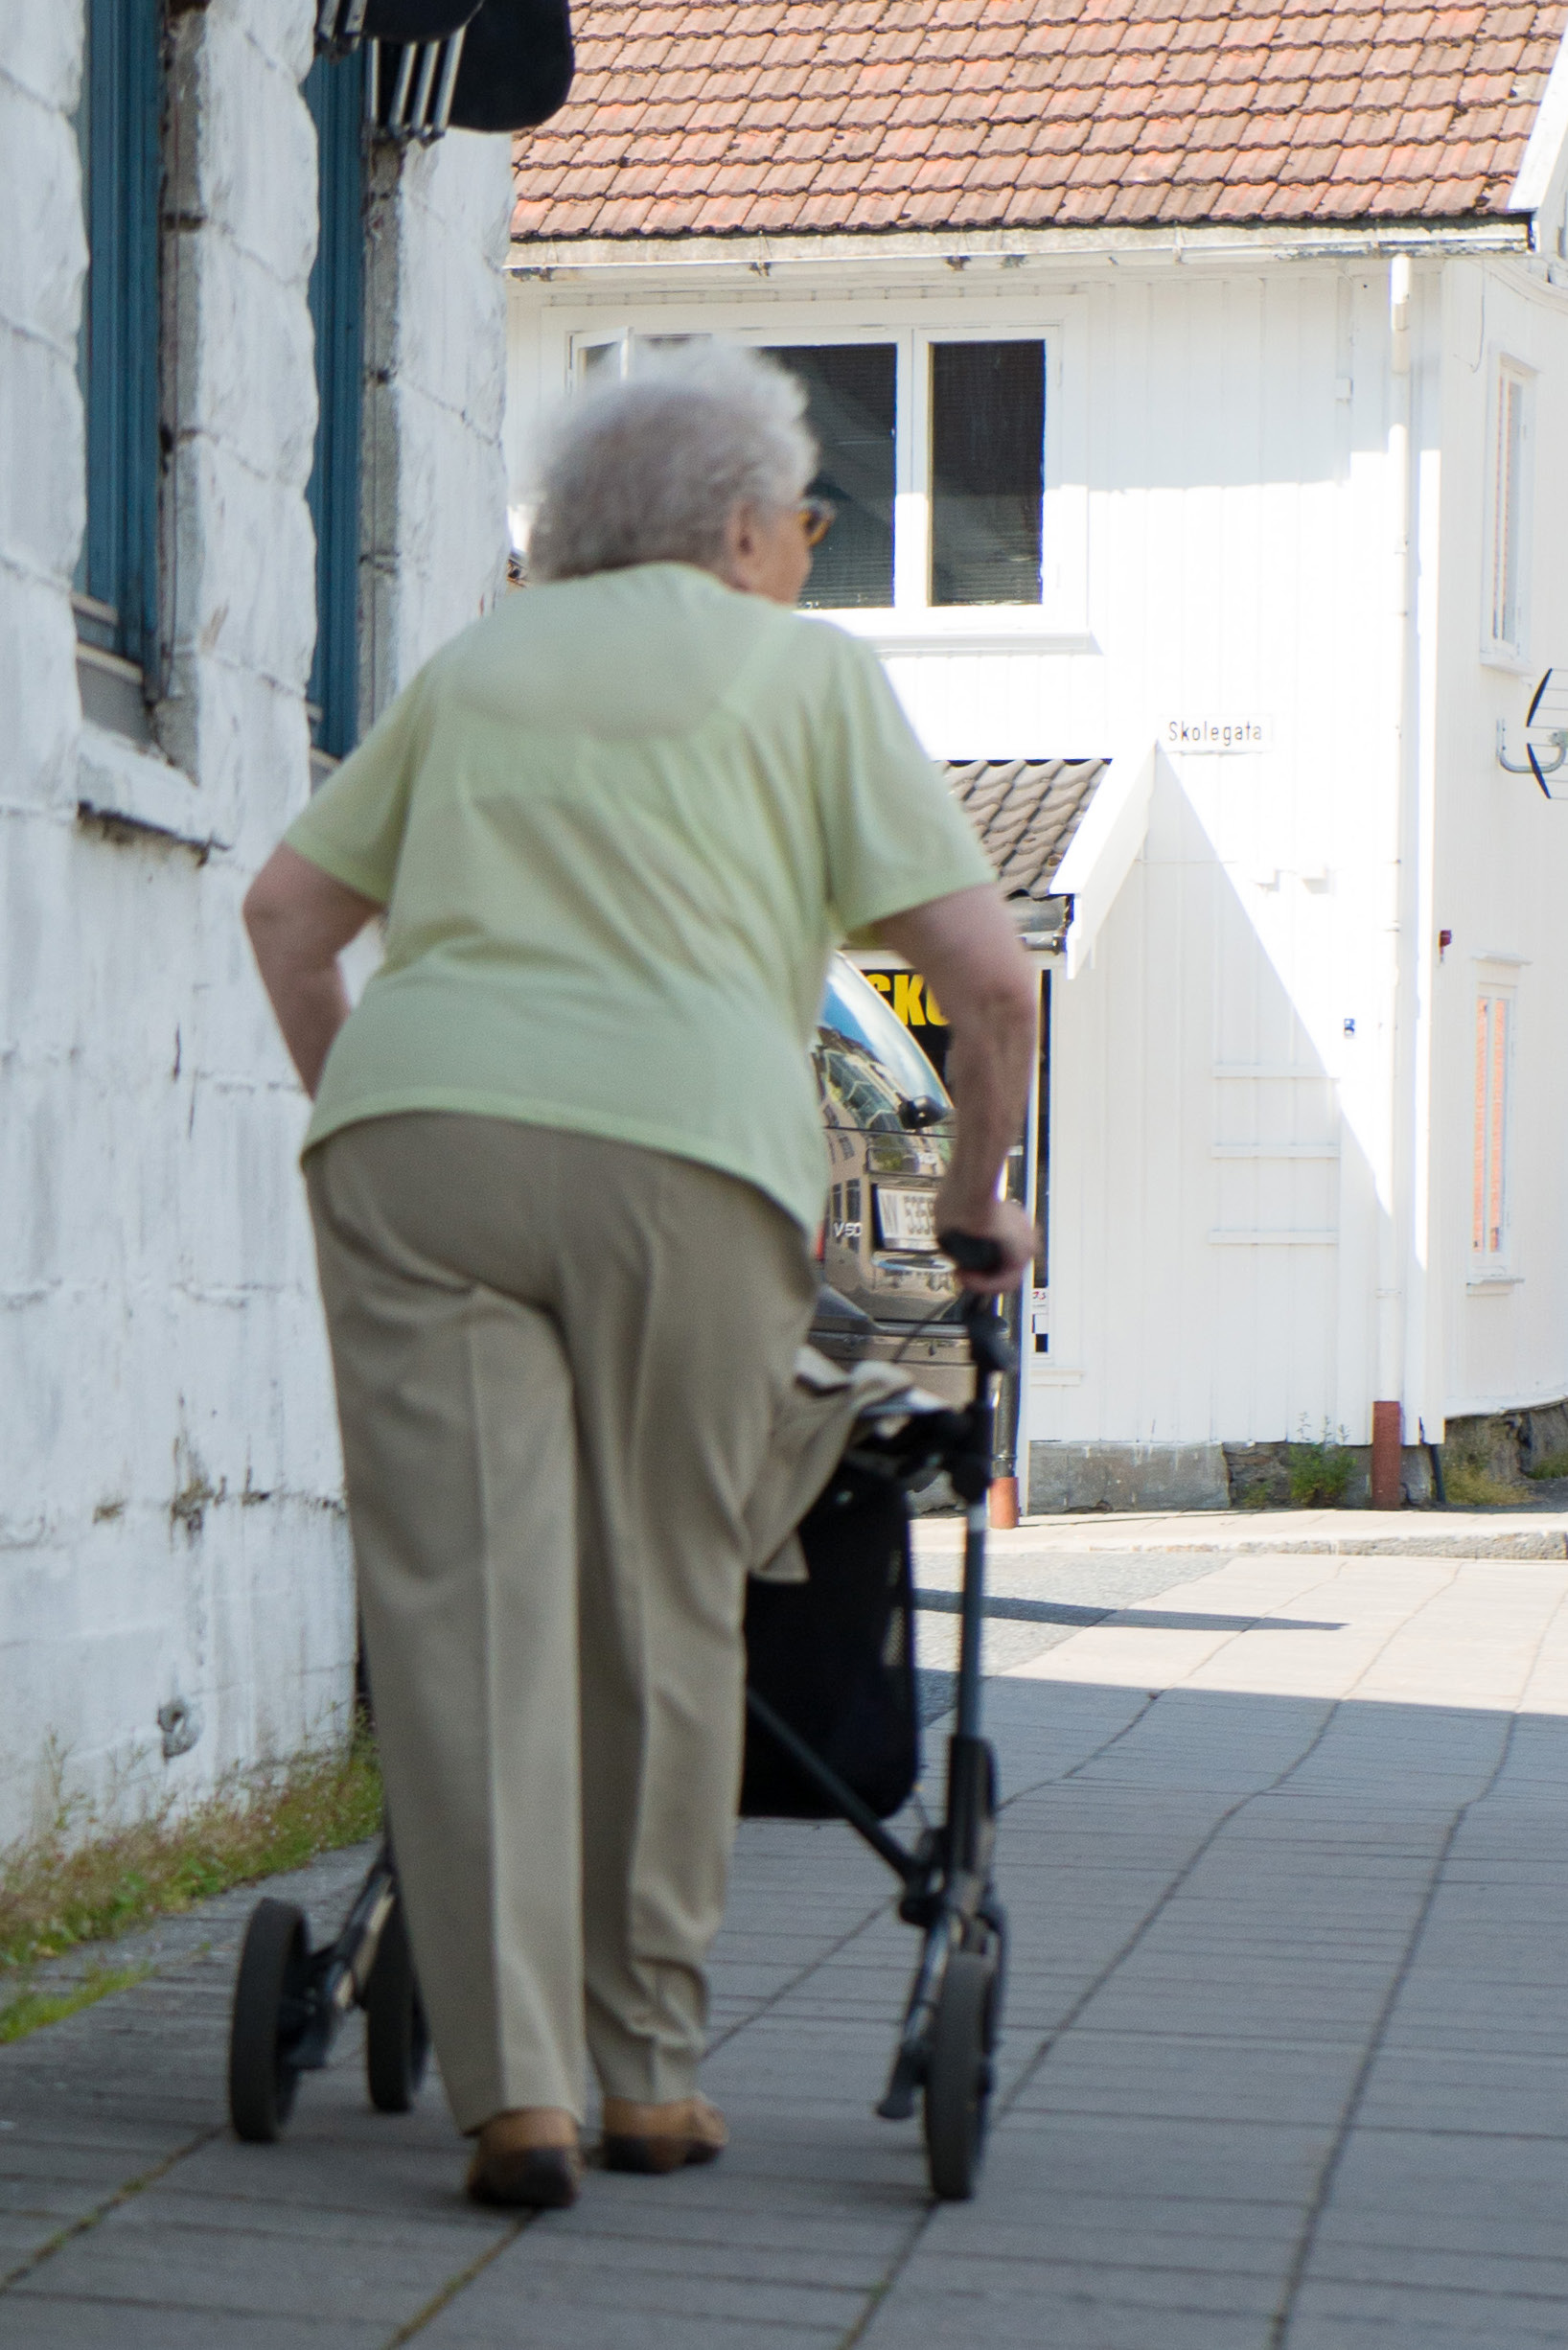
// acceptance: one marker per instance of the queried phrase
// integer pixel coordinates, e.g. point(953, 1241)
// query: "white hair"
point(651, 469)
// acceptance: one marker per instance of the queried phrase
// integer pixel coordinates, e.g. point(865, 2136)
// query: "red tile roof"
point(718, 117)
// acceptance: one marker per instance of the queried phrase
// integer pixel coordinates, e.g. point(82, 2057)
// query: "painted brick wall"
point(170, 1516)
point(435, 481)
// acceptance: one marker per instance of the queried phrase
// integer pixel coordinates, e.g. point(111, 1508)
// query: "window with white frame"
point(987, 462)
point(1490, 1205)
point(852, 407)
point(974, 414)
point(1508, 534)
point(595, 357)
point(932, 453)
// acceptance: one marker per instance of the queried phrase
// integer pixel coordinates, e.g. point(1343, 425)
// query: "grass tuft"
point(30, 2010)
point(1320, 1475)
point(1555, 1464)
point(1475, 1487)
point(89, 1876)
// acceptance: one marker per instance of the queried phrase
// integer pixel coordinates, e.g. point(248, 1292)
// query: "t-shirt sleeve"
point(353, 828)
point(895, 835)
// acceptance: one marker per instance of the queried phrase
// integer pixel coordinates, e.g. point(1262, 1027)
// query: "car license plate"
point(908, 1218)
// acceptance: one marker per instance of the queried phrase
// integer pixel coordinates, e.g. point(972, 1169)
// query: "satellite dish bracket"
point(1555, 736)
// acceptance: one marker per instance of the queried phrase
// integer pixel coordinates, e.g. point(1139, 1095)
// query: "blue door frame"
point(335, 90)
point(119, 128)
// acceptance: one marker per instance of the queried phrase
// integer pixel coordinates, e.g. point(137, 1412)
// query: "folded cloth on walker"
point(816, 1421)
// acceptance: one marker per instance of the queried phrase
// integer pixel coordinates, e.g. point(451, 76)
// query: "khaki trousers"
point(559, 1362)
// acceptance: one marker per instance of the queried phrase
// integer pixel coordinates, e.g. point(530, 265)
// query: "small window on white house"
point(933, 455)
point(851, 406)
point(1490, 1211)
point(1509, 489)
point(987, 472)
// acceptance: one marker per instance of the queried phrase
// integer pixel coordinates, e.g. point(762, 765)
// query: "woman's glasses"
point(818, 516)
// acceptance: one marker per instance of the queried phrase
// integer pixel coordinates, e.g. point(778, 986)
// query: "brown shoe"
point(529, 2156)
point(657, 2138)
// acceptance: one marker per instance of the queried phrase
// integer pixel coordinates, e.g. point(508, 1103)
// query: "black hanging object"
point(517, 65)
point(415, 20)
point(834, 1657)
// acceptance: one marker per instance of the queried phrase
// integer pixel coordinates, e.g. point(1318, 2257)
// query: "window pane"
point(1477, 1145)
point(1497, 1106)
point(1510, 424)
point(987, 472)
point(335, 93)
point(851, 389)
point(117, 346)
point(1489, 1223)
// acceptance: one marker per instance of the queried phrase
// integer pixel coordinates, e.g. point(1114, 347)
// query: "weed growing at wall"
point(87, 1877)
point(1474, 1486)
point(1320, 1475)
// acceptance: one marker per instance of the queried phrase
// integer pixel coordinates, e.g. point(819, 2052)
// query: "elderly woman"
point(564, 1164)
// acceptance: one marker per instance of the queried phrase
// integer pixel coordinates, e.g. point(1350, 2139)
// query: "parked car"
point(887, 1291)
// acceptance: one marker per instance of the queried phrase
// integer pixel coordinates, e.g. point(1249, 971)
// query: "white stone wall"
point(435, 481)
point(170, 1516)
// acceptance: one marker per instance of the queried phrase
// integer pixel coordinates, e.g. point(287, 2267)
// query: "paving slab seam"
point(1206, 1845)
point(1322, 2190)
point(1232, 1812)
point(455, 2285)
point(878, 2293)
point(798, 1979)
point(1092, 1990)
point(1100, 1751)
point(1090, 1993)
point(89, 2219)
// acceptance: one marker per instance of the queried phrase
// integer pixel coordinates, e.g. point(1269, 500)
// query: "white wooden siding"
point(1260, 1084)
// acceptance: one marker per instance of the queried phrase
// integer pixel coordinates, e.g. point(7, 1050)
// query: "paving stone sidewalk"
point(1287, 2061)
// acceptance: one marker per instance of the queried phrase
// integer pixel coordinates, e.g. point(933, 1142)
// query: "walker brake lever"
point(969, 1252)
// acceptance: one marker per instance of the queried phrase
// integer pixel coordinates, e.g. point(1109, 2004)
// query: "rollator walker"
point(833, 1732)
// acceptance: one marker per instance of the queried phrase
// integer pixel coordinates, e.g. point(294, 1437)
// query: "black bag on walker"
point(834, 1656)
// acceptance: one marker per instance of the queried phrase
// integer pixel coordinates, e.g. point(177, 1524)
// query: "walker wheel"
point(397, 2036)
point(268, 2012)
point(958, 2075)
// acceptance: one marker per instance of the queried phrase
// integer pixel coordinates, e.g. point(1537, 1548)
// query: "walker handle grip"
point(969, 1252)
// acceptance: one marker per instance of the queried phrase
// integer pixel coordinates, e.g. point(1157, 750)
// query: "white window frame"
point(912, 577)
point(1494, 984)
point(1508, 538)
point(1060, 620)
point(622, 341)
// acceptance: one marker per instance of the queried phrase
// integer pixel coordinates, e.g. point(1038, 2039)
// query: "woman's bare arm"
point(300, 920)
point(968, 952)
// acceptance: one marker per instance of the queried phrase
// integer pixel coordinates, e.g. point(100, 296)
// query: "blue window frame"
point(119, 127)
point(335, 90)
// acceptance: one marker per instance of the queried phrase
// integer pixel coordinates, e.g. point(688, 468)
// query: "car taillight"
point(820, 1245)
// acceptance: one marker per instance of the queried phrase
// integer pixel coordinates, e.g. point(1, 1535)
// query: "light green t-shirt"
point(618, 826)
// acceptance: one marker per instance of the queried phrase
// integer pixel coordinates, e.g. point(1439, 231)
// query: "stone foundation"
point(1128, 1477)
point(1504, 1448)
point(1508, 1448)
point(1261, 1475)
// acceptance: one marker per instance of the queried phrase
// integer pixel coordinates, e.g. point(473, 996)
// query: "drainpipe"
point(1387, 1429)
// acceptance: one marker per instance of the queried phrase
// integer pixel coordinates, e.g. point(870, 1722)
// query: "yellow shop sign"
point(910, 997)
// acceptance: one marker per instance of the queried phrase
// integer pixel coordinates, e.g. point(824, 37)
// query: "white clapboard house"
point(1193, 386)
